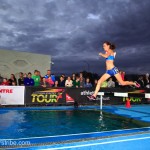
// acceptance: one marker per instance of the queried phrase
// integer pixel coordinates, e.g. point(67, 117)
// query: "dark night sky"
point(72, 31)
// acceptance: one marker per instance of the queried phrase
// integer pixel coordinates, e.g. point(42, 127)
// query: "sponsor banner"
point(12, 95)
point(136, 100)
point(79, 95)
point(40, 95)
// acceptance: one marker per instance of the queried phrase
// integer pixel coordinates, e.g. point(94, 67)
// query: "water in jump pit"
point(38, 123)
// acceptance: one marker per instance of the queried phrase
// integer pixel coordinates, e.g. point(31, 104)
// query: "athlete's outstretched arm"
point(104, 55)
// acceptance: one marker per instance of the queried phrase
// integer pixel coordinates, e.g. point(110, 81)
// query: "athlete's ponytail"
point(112, 47)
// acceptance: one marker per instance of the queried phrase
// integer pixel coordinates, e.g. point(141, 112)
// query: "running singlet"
point(114, 70)
point(110, 57)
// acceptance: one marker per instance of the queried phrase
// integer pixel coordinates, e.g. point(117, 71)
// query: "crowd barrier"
point(20, 95)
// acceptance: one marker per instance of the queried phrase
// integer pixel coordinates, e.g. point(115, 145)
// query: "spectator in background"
point(62, 82)
point(73, 79)
point(5, 82)
point(48, 75)
point(56, 83)
point(21, 79)
point(1, 79)
point(39, 74)
point(147, 81)
point(122, 73)
point(25, 75)
point(12, 79)
point(82, 80)
point(63, 75)
point(36, 78)
point(122, 76)
point(111, 83)
point(77, 82)
point(29, 81)
point(95, 82)
point(104, 84)
point(49, 81)
point(141, 81)
point(44, 83)
point(88, 84)
point(68, 82)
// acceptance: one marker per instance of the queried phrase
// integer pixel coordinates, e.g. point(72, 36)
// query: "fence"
point(20, 95)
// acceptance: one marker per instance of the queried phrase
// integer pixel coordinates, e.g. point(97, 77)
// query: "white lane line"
point(94, 144)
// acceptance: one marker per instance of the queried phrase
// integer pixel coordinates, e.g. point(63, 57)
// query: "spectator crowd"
point(78, 80)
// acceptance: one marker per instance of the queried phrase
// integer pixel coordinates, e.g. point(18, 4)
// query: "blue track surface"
point(139, 142)
point(137, 112)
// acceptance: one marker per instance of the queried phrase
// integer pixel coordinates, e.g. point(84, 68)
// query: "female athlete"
point(111, 70)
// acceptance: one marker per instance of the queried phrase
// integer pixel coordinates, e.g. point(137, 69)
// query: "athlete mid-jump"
point(111, 70)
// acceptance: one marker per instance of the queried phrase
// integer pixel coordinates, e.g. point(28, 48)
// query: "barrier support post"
point(101, 102)
point(101, 99)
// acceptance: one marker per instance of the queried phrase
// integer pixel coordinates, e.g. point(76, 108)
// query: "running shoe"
point(91, 97)
point(137, 84)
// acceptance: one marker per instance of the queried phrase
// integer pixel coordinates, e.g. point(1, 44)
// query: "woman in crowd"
point(56, 83)
point(68, 82)
point(12, 80)
point(111, 70)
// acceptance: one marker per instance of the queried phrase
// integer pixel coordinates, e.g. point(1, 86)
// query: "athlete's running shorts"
point(112, 71)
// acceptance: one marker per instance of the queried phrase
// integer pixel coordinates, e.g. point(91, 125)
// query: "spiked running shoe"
point(137, 84)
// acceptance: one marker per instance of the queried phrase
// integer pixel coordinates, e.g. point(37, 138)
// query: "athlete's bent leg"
point(119, 78)
point(100, 81)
